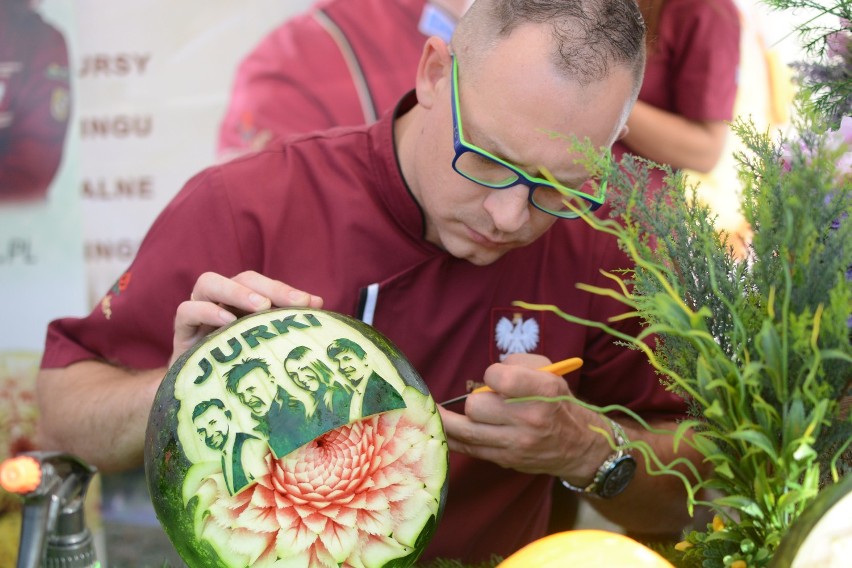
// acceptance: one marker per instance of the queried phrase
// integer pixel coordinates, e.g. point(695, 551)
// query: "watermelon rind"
point(829, 512)
point(398, 449)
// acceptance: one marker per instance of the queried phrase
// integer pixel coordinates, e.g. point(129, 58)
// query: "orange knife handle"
point(558, 368)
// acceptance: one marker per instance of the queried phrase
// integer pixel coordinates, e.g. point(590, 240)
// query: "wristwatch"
point(614, 474)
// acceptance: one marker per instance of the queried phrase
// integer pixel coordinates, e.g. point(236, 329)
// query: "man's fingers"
point(516, 381)
point(462, 432)
point(192, 315)
point(275, 292)
point(504, 444)
point(488, 442)
point(217, 300)
point(250, 292)
point(487, 408)
point(194, 320)
point(218, 289)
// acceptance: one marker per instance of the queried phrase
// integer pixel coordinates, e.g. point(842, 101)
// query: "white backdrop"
point(152, 80)
point(41, 268)
point(149, 82)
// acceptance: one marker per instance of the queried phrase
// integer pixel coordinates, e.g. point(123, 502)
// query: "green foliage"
point(825, 32)
point(759, 347)
point(450, 563)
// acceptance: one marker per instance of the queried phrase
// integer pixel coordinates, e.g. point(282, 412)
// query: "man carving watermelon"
point(442, 212)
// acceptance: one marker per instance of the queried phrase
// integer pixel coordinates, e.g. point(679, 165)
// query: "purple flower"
point(843, 135)
point(787, 154)
point(842, 139)
point(839, 42)
point(839, 140)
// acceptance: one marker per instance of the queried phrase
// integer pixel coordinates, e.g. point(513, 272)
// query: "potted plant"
point(759, 347)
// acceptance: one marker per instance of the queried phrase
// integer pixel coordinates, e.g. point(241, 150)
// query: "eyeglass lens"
point(486, 171)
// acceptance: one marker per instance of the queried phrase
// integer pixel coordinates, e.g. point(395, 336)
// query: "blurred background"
point(147, 88)
point(149, 83)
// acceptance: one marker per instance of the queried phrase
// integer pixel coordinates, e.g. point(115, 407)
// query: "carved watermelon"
point(296, 437)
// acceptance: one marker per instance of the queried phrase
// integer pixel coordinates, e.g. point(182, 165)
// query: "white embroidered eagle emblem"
point(516, 336)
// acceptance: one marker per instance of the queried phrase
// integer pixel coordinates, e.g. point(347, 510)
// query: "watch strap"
point(619, 458)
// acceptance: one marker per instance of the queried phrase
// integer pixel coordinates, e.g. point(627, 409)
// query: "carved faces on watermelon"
point(211, 420)
point(290, 435)
point(351, 360)
point(253, 384)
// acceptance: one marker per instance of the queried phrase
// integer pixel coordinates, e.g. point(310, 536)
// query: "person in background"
point(765, 96)
point(345, 62)
point(35, 102)
point(341, 63)
point(690, 84)
point(441, 216)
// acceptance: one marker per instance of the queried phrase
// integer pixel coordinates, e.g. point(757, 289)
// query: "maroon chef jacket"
point(692, 67)
point(342, 63)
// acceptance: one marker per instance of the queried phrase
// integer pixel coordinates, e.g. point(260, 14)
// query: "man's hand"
point(555, 438)
point(534, 437)
point(217, 301)
point(99, 411)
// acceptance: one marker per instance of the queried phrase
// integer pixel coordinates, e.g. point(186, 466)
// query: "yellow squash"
point(585, 548)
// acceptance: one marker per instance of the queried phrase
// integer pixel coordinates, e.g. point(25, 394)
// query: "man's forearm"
point(653, 505)
point(96, 411)
point(670, 138)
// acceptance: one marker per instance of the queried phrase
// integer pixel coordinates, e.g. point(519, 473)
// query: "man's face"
point(509, 106)
point(212, 426)
point(257, 390)
point(351, 366)
point(302, 374)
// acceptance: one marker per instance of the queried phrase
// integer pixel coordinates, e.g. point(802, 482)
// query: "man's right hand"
point(217, 301)
point(99, 411)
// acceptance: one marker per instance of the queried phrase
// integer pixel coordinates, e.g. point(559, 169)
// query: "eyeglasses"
point(484, 168)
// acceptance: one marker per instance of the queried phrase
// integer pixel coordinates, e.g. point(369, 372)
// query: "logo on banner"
point(57, 72)
point(60, 104)
point(515, 331)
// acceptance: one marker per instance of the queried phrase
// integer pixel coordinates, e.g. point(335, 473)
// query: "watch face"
point(618, 477)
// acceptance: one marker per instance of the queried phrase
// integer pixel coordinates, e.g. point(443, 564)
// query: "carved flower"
point(359, 495)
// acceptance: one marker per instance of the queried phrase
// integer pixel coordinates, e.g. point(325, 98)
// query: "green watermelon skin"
point(182, 489)
point(165, 468)
point(791, 545)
